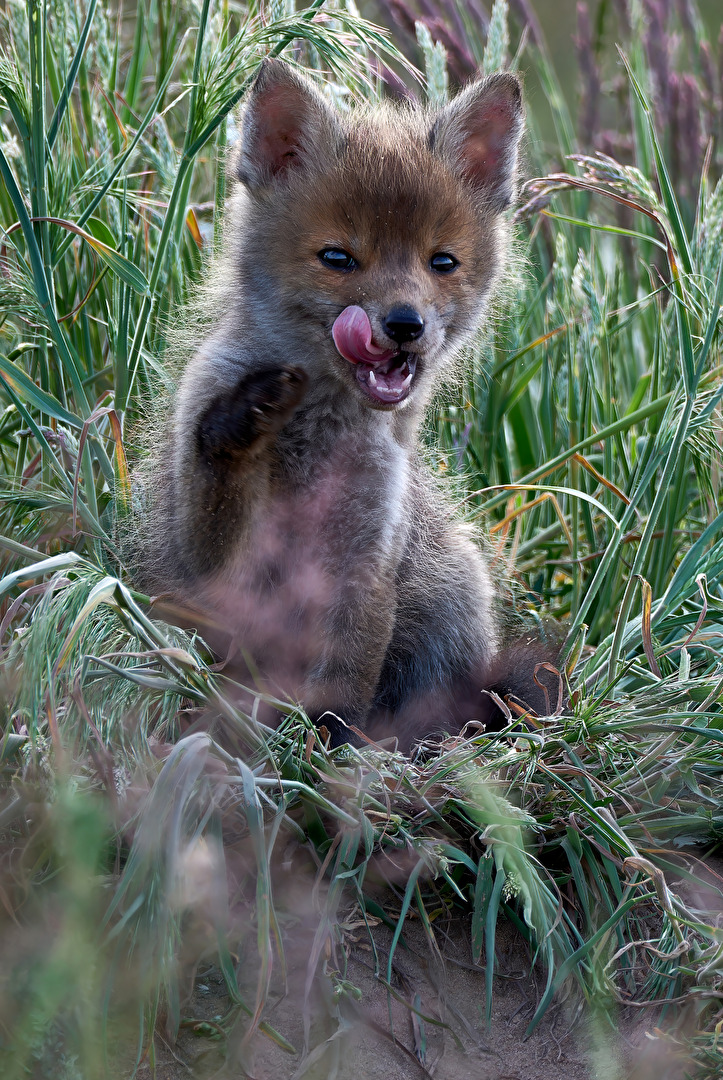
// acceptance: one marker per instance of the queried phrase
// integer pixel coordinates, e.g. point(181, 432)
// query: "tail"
point(523, 679)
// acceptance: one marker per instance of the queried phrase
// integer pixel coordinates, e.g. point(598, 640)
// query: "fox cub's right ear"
point(285, 124)
point(479, 133)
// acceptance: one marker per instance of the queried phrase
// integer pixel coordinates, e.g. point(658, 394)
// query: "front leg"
point(227, 462)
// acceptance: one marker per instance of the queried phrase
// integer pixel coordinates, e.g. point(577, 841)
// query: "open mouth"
point(388, 381)
point(384, 375)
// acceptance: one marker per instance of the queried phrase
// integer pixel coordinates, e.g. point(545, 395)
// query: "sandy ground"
point(433, 1022)
point(378, 1037)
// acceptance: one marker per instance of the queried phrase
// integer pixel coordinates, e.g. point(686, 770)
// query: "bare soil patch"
point(379, 1037)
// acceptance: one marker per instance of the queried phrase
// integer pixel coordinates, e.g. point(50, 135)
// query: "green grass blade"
point(30, 392)
point(571, 962)
point(61, 107)
point(66, 561)
point(406, 901)
point(666, 187)
point(493, 909)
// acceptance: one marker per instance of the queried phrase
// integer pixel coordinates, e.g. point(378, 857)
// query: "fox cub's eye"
point(338, 259)
point(443, 263)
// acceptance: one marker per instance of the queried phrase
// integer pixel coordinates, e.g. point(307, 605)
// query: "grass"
point(586, 439)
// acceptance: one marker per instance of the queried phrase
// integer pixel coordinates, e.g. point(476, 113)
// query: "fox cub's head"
point(372, 240)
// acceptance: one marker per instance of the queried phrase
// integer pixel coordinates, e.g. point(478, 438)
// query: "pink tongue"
point(352, 334)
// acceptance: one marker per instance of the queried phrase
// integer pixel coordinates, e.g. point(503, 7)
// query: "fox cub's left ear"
point(479, 134)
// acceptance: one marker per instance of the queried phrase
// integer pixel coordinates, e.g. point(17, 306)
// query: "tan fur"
point(286, 503)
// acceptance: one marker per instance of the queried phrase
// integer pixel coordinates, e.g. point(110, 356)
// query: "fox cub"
point(292, 505)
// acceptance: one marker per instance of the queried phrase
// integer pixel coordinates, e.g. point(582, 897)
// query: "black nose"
point(403, 323)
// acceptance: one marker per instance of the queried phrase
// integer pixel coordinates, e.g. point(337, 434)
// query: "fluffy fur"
point(288, 507)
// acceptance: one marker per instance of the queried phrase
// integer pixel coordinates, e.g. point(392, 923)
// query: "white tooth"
point(372, 378)
point(407, 381)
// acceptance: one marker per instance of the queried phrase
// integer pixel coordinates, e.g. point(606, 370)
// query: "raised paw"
point(259, 406)
point(273, 396)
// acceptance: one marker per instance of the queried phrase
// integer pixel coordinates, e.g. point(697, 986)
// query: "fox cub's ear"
point(284, 124)
point(479, 134)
